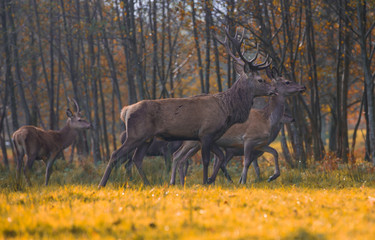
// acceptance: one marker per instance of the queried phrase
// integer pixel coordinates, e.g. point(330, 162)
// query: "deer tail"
point(19, 144)
point(123, 114)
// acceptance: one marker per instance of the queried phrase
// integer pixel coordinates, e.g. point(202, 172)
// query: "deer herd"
point(211, 123)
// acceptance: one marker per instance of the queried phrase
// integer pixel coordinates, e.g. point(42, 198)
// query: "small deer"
point(202, 118)
point(39, 144)
point(251, 138)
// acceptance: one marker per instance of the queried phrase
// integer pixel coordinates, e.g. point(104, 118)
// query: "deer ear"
point(69, 113)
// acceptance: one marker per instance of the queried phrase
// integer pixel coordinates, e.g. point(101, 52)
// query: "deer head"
point(75, 120)
point(283, 85)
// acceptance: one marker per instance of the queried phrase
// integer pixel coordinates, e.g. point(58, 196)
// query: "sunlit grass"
point(194, 212)
point(326, 201)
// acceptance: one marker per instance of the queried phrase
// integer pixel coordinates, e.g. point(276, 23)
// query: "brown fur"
point(39, 144)
point(204, 118)
point(260, 129)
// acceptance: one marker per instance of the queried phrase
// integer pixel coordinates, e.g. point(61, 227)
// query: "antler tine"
point(241, 35)
point(264, 64)
point(236, 43)
point(256, 55)
point(76, 104)
point(226, 45)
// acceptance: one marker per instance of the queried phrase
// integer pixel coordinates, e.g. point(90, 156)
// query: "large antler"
point(225, 43)
point(237, 43)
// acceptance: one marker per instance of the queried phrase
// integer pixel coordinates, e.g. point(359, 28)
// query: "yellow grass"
point(329, 200)
point(195, 212)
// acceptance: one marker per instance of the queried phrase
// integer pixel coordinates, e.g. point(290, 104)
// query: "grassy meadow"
point(327, 201)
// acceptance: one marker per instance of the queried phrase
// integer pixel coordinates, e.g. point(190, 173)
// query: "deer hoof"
point(210, 181)
point(273, 177)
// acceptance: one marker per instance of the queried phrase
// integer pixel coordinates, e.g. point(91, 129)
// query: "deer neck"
point(66, 135)
point(275, 111)
point(237, 101)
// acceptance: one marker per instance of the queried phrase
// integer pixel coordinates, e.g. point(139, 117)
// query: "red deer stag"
point(250, 138)
point(203, 118)
point(39, 144)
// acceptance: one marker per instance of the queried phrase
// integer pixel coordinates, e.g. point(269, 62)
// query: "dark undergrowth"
point(327, 174)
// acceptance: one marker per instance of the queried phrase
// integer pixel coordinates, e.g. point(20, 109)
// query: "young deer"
point(39, 144)
point(252, 137)
point(203, 118)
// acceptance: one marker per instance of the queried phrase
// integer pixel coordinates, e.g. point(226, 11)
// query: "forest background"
point(108, 54)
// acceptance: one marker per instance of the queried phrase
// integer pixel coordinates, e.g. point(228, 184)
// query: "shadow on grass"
point(87, 173)
point(303, 234)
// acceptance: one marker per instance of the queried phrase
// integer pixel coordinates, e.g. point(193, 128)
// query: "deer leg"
point(176, 158)
point(186, 167)
point(255, 156)
point(179, 157)
point(228, 156)
point(125, 148)
point(206, 149)
point(248, 159)
point(139, 154)
point(256, 168)
point(19, 158)
point(128, 168)
point(217, 151)
point(167, 158)
point(72, 152)
point(183, 160)
point(222, 167)
point(50, 162)
point(27, 168)
point(276, 160)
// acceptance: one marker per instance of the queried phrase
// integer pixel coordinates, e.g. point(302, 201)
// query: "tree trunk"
point(285, 149)
point(345, 83)
point(110, 59)
point(51, 94)
point(21, 92)
point(207, 5)
point(361, 11)
point(8, 65)
point(196, 38)
point(153, 26)
point(315, 102)
point(132, 93)
point(354, 138)
point(93, 74)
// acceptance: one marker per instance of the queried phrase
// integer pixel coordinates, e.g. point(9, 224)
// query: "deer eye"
point(260, 80)
point(287, 82)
